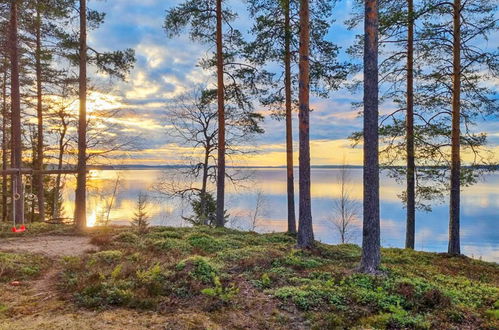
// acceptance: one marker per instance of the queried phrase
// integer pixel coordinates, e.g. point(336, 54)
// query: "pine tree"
point(413, 133)
point(305, 228)
point(371, 249)
point(16, 133)
point(275, 41)
point(4, 68)
point(140, 221)
point(81, 178)
point(114, 63)
point(220, 221)
point(459, 64)
point(43, 22)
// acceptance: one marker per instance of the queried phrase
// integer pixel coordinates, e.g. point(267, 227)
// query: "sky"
point(167, 68)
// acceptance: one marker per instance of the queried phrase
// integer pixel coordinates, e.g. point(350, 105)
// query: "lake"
point(479, 212)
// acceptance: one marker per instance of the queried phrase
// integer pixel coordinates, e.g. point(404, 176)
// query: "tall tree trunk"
point(4, 147)
point(371, 228)
point(81, 179)
point(16, 154)
point(455, 175)
point(289, 121)
point(220, 221)
point(32, 202)
point(305, 229)
point(57, 187)
point(204, 215)
point(38, 179)
point(411, 167)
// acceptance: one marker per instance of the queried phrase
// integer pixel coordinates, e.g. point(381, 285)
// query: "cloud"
point(166, 68)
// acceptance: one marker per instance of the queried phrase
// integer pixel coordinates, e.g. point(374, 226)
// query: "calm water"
point(480, 208)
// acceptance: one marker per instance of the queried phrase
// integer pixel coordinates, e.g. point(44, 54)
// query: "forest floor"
point(53, 246)
point(204, 278)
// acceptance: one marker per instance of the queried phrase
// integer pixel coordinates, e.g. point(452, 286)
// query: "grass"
point(234, 279)
point(15, 267)
point(37, 228)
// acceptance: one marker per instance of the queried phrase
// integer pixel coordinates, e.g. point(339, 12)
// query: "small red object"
point(15, 283)
point(18, 230)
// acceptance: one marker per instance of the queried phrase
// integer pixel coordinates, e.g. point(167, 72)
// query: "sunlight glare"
point(92, 219)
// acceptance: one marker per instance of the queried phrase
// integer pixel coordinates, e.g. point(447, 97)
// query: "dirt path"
point(38, 304)
point(51, 246)
point(54, 247)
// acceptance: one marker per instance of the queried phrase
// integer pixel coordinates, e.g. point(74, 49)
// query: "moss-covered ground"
point(197, 278)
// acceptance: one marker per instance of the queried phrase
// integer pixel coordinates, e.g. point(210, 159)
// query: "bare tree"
point(114, 194)
point(193, 123)
point(63, 120)
point(346, 209)
point(255, 215)
point(107, 195)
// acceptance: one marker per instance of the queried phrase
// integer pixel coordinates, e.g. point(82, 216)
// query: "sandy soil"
point(51, 246)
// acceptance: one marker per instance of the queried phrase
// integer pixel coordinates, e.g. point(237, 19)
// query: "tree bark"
point(38, 179)
point(411, 167)
point(305, 228)
point(4, 146)
point(220, 221)
point(371, 228)
point(204, 184)
point(81, 179)
point(289, 121)
point(16, 154)
point(60, 158)
point(455, 176)
point(57, 187)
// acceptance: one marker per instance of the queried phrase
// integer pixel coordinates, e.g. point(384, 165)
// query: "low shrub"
point(221, 292)
point(300, 259)
point(127, 237)
point(168, 244)
point(312, 296)
point(200, 268)
point(153, 279)
point(204, 242)
point(106, 257)
point(102, 239)
point(15, 266)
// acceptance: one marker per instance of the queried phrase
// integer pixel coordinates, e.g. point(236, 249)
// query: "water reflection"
point(480, 207)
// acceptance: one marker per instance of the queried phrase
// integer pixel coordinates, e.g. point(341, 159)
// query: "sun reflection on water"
point(92, 219)
point(479, 201)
